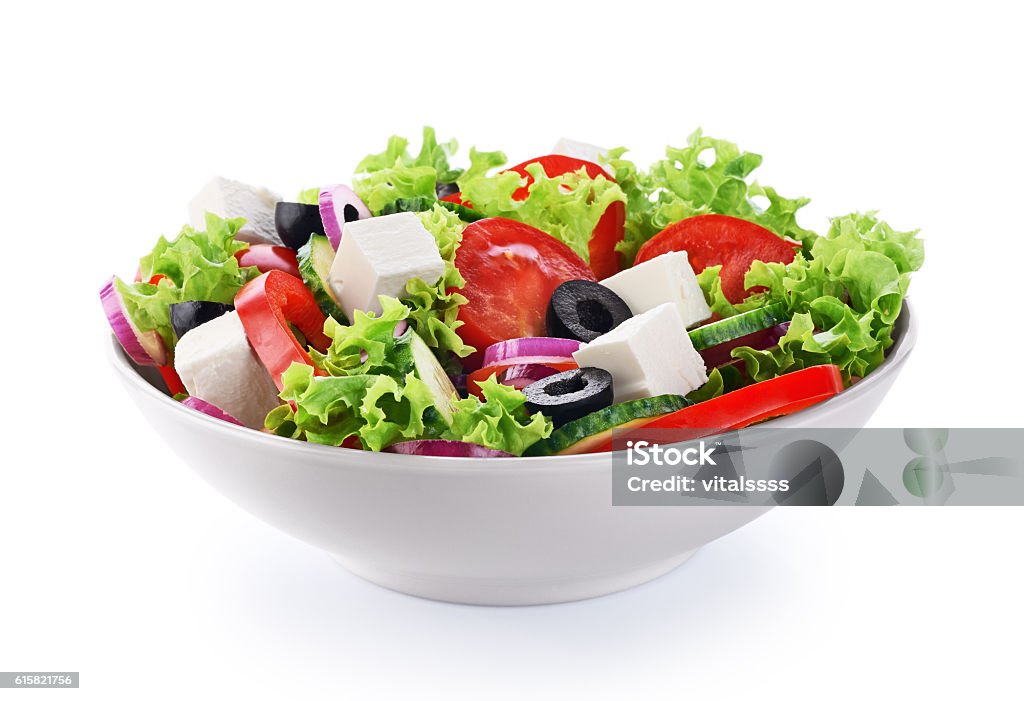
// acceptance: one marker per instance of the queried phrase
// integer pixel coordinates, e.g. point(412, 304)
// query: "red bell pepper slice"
point(171, 379)
point(266, 306)
point(779, 396)
point(267, 257)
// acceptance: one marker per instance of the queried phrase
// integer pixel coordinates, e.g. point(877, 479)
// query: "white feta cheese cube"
point(666, 278)
point(216, 363)
point(230, 198)
point(378, 256)
point(647, 355)
point(579, 149)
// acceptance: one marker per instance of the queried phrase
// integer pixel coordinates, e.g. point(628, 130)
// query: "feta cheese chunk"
point(578, 149)
point(377, 256)
point(216, 363)
point(230, 198)
point(666, 278)
point(647, 355)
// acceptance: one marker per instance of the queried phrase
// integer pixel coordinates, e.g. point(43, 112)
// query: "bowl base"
point(531, 592)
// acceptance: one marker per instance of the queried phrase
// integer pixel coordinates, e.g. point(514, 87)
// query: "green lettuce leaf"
point(566, 206)
point(720, 381)
point(681, 186)
point(434, 309)
point(395, 174)
point(499, 421)
point(710, 283)
point(309, 196)
point(198, 265)
point(845, 298)
point(381, 409)
point(378, 409)
point(367, 345)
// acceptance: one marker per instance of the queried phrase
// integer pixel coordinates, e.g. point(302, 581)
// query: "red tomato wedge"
point(267, 257)
point(715, 239)
point(511, 269)
point(605, 261)
point(554, 165)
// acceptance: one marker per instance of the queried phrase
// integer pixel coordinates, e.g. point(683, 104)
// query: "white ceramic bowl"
point(500, 531)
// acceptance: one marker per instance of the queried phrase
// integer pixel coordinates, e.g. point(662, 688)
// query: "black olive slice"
point(185, 316)
point(296, 222)
point(445, 189)
point(584, 310)
point(570, 395)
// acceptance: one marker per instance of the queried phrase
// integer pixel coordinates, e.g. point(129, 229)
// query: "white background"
point(117, 562)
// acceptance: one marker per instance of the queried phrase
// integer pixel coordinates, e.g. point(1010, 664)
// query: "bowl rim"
point(903, 342)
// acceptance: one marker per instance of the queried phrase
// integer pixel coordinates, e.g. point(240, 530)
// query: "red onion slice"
point(204, 407)
point(143, 348)
point(520, 376)
point(530, 346)
point(446, 449)
point(339, 204)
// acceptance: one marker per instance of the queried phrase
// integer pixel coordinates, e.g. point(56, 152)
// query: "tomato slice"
point(510, 269)
point(605, 261)
point(554, 165)
point(267, 257)
point(715, 239)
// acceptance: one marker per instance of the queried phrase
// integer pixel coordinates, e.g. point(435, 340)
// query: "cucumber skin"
point(734, 327)
point(605, 420)
point(464, 213)
point(316, 284)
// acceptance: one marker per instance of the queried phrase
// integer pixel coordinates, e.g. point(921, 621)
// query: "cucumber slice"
point(465, 213)
point(737, 326)
point(315, 259)
point(586, 433)
point(433, 375)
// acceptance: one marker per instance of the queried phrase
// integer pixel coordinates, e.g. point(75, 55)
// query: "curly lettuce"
point(499, 421)
point(377, 409)
point(845, 296)
point(196, 265)
point(384, 178)
point(374, 391)
point(434, 309)
point(366, 346)
point(683, 185)
point(566, 206)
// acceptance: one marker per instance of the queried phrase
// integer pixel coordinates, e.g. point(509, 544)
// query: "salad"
point(494, 311)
